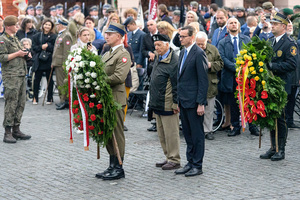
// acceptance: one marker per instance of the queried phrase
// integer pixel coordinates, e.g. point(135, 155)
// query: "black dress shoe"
point(234, 132)
point(115, 174)
point(59, 104)
point(268, 154)
point(292, 125)
point(255, 132)
point(125, 128)
point(193, 172)
point(63, 106)
point(153, 128)
point(209, 136)
point(183, 170)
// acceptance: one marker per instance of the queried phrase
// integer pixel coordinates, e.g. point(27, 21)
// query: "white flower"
point(76, 69)
point(81, 86)
point(93, 75)
point(87, 86)
point(94, 83)
point(92, 64)
point(87, 80)
point(79, 50)
point(78, 58)
point(79, 76)
point(97, 87)
point(67, 62)
point(81, 64)
point(92, 96)
point(67, 68)
point(70, 57)
point(88, 74)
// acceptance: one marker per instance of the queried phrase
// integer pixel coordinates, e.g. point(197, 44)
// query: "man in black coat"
point(192, 85)
point(283, 65)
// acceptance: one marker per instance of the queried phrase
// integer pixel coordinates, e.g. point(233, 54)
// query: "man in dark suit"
point(220, 32)
point(192, 92)
point(283, 65)
point(229, 47)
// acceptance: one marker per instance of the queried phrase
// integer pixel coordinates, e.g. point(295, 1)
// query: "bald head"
point(151, 25)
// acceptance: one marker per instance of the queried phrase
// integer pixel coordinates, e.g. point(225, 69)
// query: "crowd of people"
point(189, 65)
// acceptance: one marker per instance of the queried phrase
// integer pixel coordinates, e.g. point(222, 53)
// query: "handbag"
point(44, 55)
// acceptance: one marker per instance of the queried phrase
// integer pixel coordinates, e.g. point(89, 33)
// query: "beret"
point(10, 20)
point(160, 37)
point(287, 11)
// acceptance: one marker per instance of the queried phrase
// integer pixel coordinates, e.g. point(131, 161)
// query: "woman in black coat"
point(26, 29)
point(43, 41)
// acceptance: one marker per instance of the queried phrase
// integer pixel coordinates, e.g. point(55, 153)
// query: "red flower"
point(93, 117)
point(252, 93)
point(262, 113)
point(75, 110)
point(76, 102)
point(91, 105)
point(260, 105)
point(85, 98)
point(99, 106)
point(252, 83)
point(80, 128)
point(72, 59)
point(91, 127)
point(78, 117)
point(100, 133)
point(253, 117)
point(264, 95)
point(239, 80)
point(101, 120)
point(76, 121)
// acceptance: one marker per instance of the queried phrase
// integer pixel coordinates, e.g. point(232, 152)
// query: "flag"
point(152, 10)
point(182, 11)
point(1, 8)
point(20, 4)
point(140, 16)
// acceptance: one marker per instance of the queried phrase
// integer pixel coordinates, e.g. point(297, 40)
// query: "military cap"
point(296, 7)
point(59, 6)
point(39, 7)
point(30, 7)
point(62, 21)
point(70, 10)
point(110, 10)
point(194, 4)
point(258, 8)
point(106, 6)
point(52, 8)
point(267, 5)
point(116, 28)
point(10, 20)
point(128, 21)
point(94, 8)
point(287, 11)
point(76, 7)
point(240, 9)
point(280, 18)
point(176, 12)
point(160, 37)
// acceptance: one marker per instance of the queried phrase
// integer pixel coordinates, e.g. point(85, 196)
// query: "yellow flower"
point(261, 70)
point(261, 64)
point(237, 69)
point(242, 62)
point(254, 58)
point(254, 72)
point(249, 58)
point(238, 62)
point(245, 57)
point(251, 69)
point(256, 78)
point(263, 83)
point(254, 55)
point(250, 63)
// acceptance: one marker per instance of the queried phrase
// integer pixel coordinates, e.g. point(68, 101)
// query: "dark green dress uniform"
point(283, 65)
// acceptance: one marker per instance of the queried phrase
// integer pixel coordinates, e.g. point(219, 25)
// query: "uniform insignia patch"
point(279, 53)
point(293, 50)
point(124, 60)
point(67, 42)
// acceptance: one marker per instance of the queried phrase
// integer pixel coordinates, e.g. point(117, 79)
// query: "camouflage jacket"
point(296, 25)
point(16, 66)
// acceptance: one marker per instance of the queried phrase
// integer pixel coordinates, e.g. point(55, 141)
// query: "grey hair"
point(26, 40)
point(165, 43)
point(201, 34)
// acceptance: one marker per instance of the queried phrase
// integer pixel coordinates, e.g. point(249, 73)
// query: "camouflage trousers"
point(15, 98)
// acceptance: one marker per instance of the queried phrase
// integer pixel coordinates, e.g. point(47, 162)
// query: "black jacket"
point(21, 34)
point(37, 48)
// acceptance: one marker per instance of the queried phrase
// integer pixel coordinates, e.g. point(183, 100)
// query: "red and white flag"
point(152, 10)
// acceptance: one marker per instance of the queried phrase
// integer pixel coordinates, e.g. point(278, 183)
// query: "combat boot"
point(271, 151)
point(116, 173)
point(8, 138)
point(280, 155)
point(110, 167)
point(17, 134)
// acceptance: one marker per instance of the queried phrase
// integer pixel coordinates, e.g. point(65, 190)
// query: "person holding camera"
point(84, 40)
point(12, 58)
point(43, 46)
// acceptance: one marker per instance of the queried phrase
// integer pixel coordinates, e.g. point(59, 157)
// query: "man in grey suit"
point(192, 85)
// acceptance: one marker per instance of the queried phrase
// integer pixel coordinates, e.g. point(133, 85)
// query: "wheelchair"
point(218, 107)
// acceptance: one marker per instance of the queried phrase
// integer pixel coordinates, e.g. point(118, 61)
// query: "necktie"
point(274, 43)
point(183, 60)
point(160, 58)
point(220, 30)
point(235, 46)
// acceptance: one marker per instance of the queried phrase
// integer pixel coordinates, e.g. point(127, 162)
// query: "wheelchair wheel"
point(218, 111)
point(43, 85)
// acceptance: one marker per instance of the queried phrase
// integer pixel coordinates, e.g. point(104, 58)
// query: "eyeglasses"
point(183, 36)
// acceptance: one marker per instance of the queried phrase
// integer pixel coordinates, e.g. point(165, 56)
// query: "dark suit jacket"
point(167, 19)
point(192, 82)
point(148, 45)
point(136, 41)
point(284, 62)
point(227, 54)
point(214, 26)
point(215, 40)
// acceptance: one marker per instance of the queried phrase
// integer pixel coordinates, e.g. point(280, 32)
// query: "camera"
point(26, 56)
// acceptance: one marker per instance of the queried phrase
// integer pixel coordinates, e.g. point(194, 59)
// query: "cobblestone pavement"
point(49, 167)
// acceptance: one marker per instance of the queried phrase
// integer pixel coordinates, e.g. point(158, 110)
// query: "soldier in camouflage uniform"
point(14, 70)
point(296, 22)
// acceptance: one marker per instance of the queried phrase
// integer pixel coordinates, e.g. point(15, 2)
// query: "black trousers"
point(289, 110)
point(193, 131)
point(37, 80)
